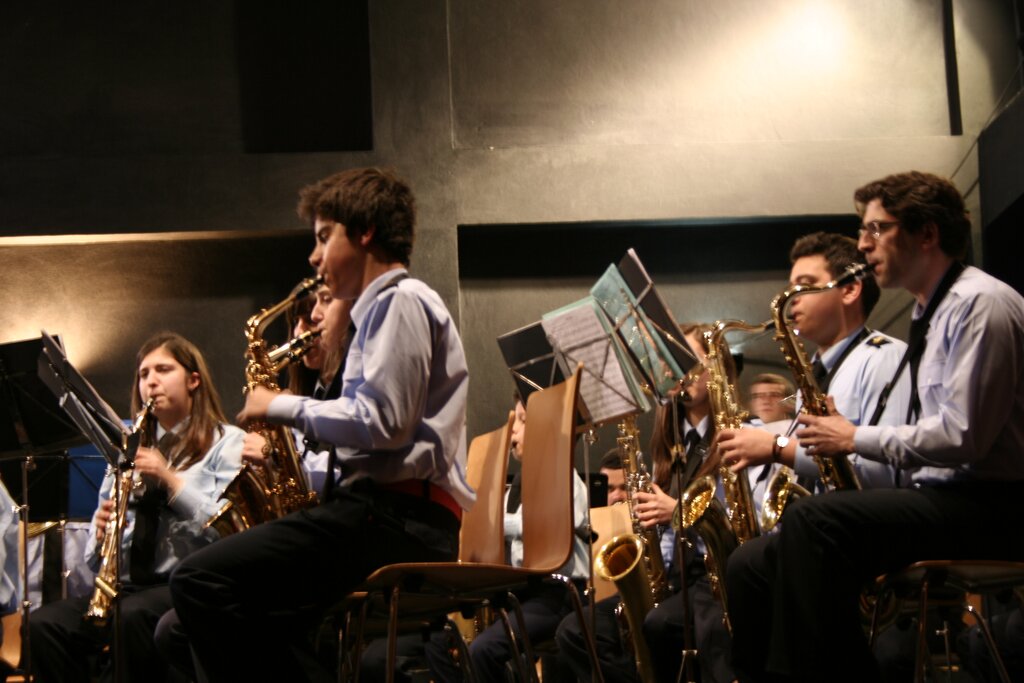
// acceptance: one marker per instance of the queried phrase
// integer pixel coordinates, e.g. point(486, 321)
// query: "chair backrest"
point(482, 537)
point(548, 444)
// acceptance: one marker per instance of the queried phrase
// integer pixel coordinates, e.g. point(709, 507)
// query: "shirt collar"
point(830, 356)
point(366, 299)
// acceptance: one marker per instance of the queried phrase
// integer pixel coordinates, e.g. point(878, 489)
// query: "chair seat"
point(968, 576)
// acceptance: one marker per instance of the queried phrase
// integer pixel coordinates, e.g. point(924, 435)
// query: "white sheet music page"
point(579, 334)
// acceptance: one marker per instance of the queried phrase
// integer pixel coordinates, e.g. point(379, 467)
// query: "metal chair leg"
point(588, 637)
point(465, 663)
point(989, 641)
point(527, 645)
point(517, 655)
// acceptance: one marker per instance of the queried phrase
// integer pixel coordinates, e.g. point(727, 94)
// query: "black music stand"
point(103, 429)
point(31, 424)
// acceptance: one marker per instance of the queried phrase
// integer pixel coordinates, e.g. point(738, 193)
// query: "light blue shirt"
point(855, 387)
point(10, 581)
point(402, 410)
point(578, 566)
point(971, 386)
point(180, 527)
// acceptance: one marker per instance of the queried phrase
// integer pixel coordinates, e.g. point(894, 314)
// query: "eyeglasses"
point(876, 228)
point(770, 395)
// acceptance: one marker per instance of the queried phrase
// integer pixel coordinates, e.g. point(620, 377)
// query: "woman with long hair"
point(187, 456)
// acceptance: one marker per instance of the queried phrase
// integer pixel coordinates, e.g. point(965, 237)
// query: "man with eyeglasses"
point(768, 393)
point(960, 453)
point(853, 363)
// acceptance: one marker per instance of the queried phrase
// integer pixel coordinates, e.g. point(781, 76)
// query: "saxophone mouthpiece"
point(854, 273)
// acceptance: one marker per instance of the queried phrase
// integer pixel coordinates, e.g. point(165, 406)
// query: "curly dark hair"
point(839, 252)
point(917, 199)
point(362, 199)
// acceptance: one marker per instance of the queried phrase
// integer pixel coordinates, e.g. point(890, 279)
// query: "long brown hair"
point(206, 416)
point(663, 437)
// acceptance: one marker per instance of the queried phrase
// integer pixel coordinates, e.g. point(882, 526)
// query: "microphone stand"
point(679, 462)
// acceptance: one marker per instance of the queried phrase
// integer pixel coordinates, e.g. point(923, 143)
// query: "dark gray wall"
point(497, 113)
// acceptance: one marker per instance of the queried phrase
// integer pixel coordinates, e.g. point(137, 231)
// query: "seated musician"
point(853, 363)
point(768, 393)
point(664, 626)
point(611, 467)
point(960, 455)
point(320, 364)
point(188, 455)
point(399, 424)
point(313, 375)
point(544, 607)
point(10, 583)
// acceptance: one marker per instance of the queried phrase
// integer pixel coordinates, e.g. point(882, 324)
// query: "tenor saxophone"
point(106, 581)
point(633, 562)
point(836, 473)
point(723, 527)
point(279, 486)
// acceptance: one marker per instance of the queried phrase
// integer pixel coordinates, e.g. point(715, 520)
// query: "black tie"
point(820, 373)
point(692, 440)
point(694, 455)
point(918, 331)
point(147, 521)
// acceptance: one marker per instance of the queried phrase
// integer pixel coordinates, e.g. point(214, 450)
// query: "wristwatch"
point(780, 443)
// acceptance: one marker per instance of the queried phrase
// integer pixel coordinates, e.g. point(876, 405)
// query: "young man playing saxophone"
point(960, 456)
point(857, 363)
point(399, 427)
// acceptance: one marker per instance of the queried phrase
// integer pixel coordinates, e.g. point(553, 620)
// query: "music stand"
point(31, 424)
point(104, 429)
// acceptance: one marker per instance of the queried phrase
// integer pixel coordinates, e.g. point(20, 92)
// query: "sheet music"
point(579, 333)
point(640, 336)
point(656, 310)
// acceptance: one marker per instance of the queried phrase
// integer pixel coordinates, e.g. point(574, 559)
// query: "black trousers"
point(663, 629)
point(248, 601)
point(62, 642)
point(793, 596)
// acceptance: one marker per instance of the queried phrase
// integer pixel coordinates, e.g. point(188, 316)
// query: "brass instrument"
point(723, 527)
point(279, 486)
point(782, 490)
point(106, 581)
point(836, 473)
point(729, 414)
point(633, 562)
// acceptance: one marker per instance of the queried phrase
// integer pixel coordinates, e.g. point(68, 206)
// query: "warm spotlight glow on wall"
point(811, 39)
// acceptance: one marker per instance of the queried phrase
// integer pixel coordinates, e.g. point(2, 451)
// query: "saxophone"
point(723, 527)
point(106, 582)
point(836, 473)
point(729, 414)
point(633, 562)
point(279, 486)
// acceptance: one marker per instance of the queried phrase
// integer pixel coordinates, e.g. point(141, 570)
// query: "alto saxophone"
point(836, 473)
point(278, 486)
point(633, 562)
point(106, 582)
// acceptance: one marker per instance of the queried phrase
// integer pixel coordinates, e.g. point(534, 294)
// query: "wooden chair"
point(922, 580)
point(481, 535)
point(548, 530)
point(607, 523)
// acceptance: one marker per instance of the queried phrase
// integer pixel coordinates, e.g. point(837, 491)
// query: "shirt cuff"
point(867, 441)
point(283, 408)
point(804, 465)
